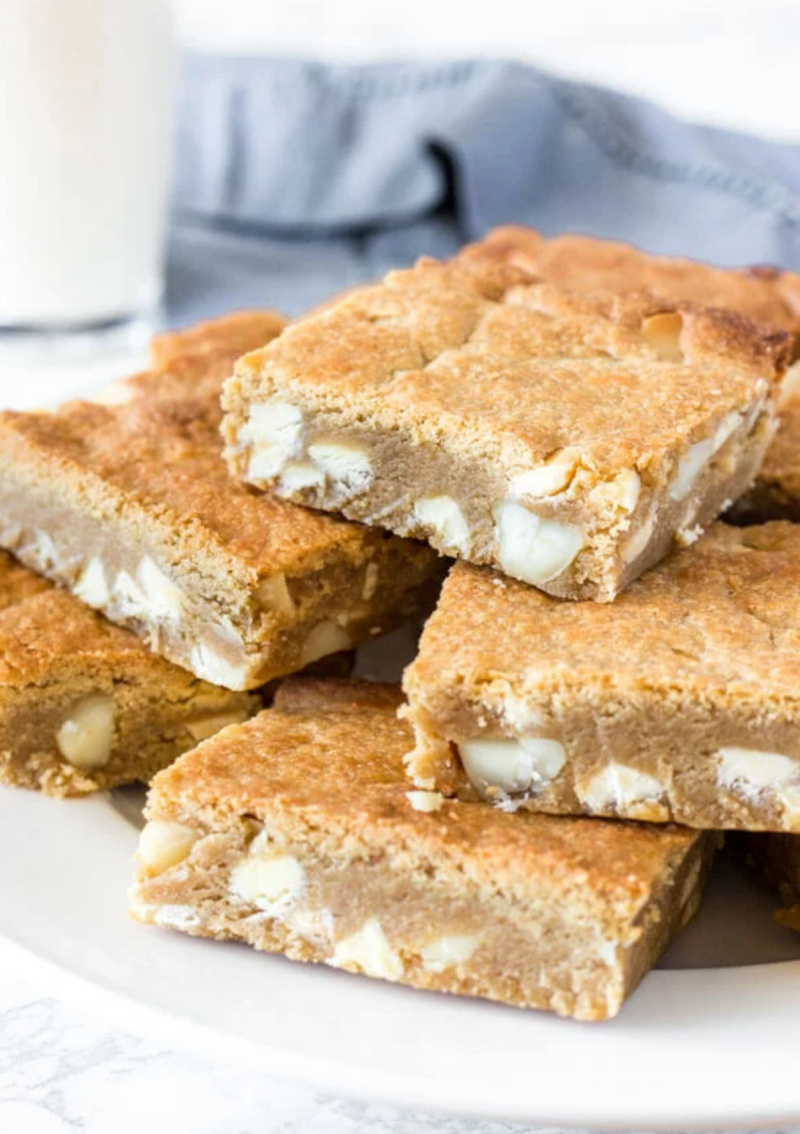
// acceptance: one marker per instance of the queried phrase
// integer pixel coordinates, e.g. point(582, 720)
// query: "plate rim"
point(339, 1078)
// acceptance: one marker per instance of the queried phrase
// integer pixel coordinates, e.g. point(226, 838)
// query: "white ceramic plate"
point(710, 1040)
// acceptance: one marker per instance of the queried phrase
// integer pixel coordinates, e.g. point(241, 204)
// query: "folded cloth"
point(295, 179)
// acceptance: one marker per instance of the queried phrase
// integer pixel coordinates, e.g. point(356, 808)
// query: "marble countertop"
point(62, 1071)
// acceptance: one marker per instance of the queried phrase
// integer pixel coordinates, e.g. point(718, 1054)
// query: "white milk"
point(85, 110)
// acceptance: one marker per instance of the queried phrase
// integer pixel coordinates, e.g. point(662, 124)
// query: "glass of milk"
point(85, 125)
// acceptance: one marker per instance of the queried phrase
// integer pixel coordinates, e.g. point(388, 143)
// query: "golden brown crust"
point(247, 580)
point(456, 380)
point(582, 263)
point(396, 342)
point(296, 834)
point(764, 293)
point(230, 333)
point(345, 767)
point(678, 702)
point(159, 456)
point(46, 633)
point(720, 618)
point(54, 653)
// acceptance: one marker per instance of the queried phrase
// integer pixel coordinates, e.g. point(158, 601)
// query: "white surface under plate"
point(711, 1040)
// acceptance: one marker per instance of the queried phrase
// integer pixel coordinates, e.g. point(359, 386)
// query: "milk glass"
point(85, 123)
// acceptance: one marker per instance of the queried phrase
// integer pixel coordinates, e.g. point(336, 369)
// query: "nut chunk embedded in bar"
point(566, 440)
point(131, 507)
point(84, 705)
point(679, 701)
point(297, 833)
point(769, 294)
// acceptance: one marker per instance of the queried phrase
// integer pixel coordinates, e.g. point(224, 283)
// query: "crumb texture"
point(296, 834)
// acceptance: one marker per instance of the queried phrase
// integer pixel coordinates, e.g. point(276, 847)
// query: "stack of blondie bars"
point(607, 677)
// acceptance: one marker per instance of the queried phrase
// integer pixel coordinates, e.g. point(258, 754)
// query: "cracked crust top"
point(582, 263)
point(720, 619)
point(769, 294)
point(474, 355)
point(341, 769)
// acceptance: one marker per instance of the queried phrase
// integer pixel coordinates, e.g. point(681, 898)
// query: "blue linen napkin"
point(296, 179)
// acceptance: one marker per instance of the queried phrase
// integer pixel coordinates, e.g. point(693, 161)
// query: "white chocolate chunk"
point(790, 386)
point(641, 537)
point(269, 879)
point(85, 737)
point(453, 949)
point(700, 453)
point(425, 800)
point(163, 599)
point(204, 727)
point(528, 764)
point(46, 550)
point(275, 423)
point(273, 431)
point(92, 587)
point(130, 596)
point(531, 548)
point(266, 462)
point(607, 950)
point(685, 537)
point(629, 485)
point(370, 582)
point(726, 428)
point(368, 950)
point(164, 843)
point(519, 716)
point(297, 475)
point(182, 918)
point(326, 638)
point(442, 516)
point(620, 788)
point(689, 467)
point(545, 480)
point(750, 771)
point(348, 468)
point(206, 662)
point(273, 594)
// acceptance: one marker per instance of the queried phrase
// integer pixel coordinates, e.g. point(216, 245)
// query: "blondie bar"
point(566, 440)
point(677, 702)
point(297, 834)
point(84, 705)
point(130, 506)
point(581, 264)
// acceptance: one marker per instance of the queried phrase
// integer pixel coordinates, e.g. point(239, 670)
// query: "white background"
point(732, 63)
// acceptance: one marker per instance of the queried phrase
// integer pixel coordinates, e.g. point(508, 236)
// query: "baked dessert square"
point(776, 861)
point(677, 702)
point(566, 440)
point(297, 833)
point(762, 292)
point(129, 505)
point(84, 705)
